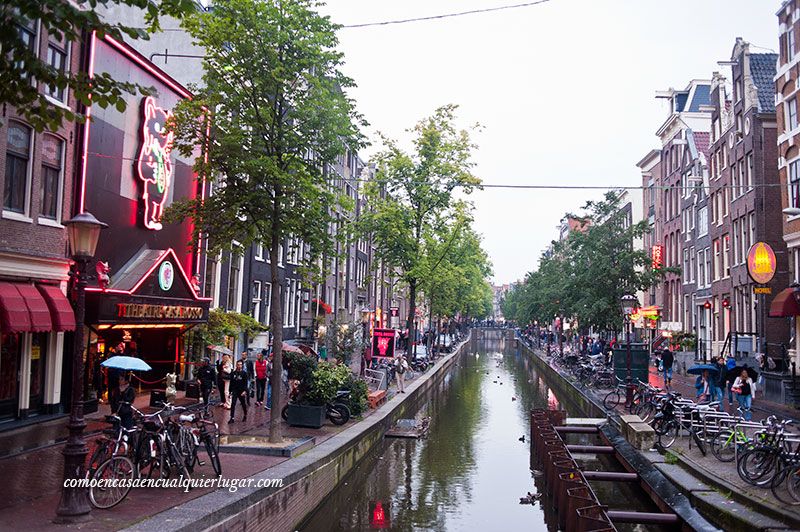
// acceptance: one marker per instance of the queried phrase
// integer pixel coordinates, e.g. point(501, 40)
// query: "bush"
point(301, 367)
point(326, 380)
point(358, 395)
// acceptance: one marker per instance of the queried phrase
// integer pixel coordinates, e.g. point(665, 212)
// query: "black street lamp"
point(629, 304)
point(83, 232)
point(365, 336)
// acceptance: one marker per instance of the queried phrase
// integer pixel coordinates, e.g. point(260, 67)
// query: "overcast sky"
point(564, 91)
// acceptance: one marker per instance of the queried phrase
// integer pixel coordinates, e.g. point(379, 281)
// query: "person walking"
point(667, 360)
point(730, 363)
point(704, 387)
point(720, 380)
point(227, 370)
point(239, 386)
point(401, 366)
point(247, 367)
point(126, 397)
point(206, 377)
point(261, 377)
point(744, 388)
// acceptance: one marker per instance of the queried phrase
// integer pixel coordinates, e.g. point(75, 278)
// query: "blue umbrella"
point(126, 363)
point(700, 368)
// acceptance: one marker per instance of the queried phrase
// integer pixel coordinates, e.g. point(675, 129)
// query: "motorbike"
point(335, 410)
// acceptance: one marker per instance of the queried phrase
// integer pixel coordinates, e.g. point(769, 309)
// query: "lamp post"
point(629, 303)
point(365, 335)
point(83, 231)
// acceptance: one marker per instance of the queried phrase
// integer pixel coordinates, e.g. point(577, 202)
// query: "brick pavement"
point(32, 478)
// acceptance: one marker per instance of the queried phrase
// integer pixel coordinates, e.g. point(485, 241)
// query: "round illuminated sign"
point(166, 274)
point(761, 263)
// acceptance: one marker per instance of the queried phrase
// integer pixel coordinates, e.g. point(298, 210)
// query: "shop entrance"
point(10, 362)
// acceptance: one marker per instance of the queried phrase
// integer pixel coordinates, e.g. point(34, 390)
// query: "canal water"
point(472, 469)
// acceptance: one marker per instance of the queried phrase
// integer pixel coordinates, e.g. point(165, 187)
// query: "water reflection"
point(471, 470)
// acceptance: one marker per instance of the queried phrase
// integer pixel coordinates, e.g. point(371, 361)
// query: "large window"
point(211, 277)
point(57, 59)
point(256, 299)
point(52, 172)
point(16, 188)
point(26, 31)
point(791, 113)
point(233, 284)
point(702, 221)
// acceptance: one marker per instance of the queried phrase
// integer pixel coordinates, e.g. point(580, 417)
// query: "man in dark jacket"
point(206, 377)
point(720, 381)
point(239, 386)
point(220, 382)
point(247, 367)
point(667, 359)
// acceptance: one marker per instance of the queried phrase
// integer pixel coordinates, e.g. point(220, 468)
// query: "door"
point(39, 346)
point(10, 360)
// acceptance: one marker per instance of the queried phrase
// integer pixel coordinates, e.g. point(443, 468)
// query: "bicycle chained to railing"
point(158, 447)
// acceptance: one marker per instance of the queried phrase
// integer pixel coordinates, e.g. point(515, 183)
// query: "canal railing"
point(575, 501)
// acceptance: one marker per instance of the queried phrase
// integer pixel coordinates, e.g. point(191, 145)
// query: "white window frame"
point(258, 252)
point(256, 300)
point(67, 51)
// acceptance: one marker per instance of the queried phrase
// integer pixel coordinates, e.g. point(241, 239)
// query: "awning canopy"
point(60, 309)
point(37, 308)
point(14, 316)
point(784, 305)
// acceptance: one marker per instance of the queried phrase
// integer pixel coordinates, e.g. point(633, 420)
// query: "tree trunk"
point(276, 324)
point(412, 313)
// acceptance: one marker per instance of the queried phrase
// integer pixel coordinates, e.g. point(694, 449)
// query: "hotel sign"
point(761, 263)
point(174, 312)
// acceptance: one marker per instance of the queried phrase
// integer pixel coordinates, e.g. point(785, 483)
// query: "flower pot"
point(306, 416)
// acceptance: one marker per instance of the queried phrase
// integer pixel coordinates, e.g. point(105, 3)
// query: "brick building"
point(744, 204)
point(38, 171)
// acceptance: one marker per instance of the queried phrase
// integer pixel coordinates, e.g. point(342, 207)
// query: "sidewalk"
point(33, 478)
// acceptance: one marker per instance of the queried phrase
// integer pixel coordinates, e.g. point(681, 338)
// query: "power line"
point(445, 15)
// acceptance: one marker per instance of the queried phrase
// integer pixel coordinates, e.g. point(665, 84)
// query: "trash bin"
point(640, 362)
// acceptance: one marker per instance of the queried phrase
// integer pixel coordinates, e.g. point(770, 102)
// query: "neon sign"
point(166, 275)
point(154, 165)
point(658, 256)
point(761, 263)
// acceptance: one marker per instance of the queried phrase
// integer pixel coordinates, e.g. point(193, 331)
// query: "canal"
point(471, 470)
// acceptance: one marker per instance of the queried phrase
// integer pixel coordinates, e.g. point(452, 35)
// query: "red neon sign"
point(658, 256)
point(154, 164)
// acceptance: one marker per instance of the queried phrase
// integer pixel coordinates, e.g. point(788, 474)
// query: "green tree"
point(275, 96)
point(72, 21)
point(413, 193)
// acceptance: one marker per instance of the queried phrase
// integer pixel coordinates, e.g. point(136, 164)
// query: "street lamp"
point(365, 335)
point(83, 232)
point(629, 304)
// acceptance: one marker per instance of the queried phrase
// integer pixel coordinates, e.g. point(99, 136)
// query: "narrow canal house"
point(745, 207)
point(146, 291)
point(37, 183)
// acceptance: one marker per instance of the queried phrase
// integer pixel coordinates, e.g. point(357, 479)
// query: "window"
point(752, 231)
point(259, 252)
point(708, 266)
point(794, 183)
point(701, 271)
point(267, 302)
point(233, 284)
point(286, 301)
point(27, 34)
point(749, 172)
point(736, 247)
point(256, 299)
point(717, 265)
point(210, 278)
point(57, 59)
point(16, 189)
point(685, 273)
point(692, 264)
point(791, 114)
point(52, 172)
point(702, 221)
point(790, 44)
point(726, 256)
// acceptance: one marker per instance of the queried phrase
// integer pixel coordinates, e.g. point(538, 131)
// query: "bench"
point(376, 398)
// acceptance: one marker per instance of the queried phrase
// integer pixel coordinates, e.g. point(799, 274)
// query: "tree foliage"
point(275, 103)
point(586, 275)
point(413, 194)
point(223, 324)
point(71, 22)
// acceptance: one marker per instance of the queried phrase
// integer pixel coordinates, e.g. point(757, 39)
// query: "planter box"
point(306, 416)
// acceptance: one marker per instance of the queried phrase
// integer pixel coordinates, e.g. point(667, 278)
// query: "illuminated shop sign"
point(137, 310)
point(154, 164)
point(761, 263)
point(658, 256)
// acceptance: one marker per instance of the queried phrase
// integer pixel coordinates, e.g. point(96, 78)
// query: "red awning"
point(14, 315)
point(60, 309)
point(784, 305)
point(37, 308)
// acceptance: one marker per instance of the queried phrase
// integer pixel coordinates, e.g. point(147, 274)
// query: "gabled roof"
point(762, 71)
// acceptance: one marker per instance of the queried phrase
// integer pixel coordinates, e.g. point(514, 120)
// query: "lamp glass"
point(629, 303)
point(83, 239)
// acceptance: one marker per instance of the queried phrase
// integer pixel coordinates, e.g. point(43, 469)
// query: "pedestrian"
point(239, 387)
point(126, 397)
point(205, 377)
point(730, 363)
point(220, 381)
point(261, 377)
point(720, 382)
point(745, 388)
point(247, 367)
point(400, 370)
point(227, 370)
point(703, 386)
point(667, 359)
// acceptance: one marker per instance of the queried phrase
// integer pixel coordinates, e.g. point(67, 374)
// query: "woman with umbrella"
point(707, 374)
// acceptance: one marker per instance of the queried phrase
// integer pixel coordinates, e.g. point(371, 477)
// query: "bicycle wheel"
point(723, 446)
point(757, 466)
point(646, 411)
point(669, 433)
point(699, 441)
point(101, 453)
point(116, 475)
point(177, 464)
point(148, 459)
point(213, 456)
point(339, 414)
point(792, 476)
point(612, 399)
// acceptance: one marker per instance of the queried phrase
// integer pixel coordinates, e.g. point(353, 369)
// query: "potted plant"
point(300, 412)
